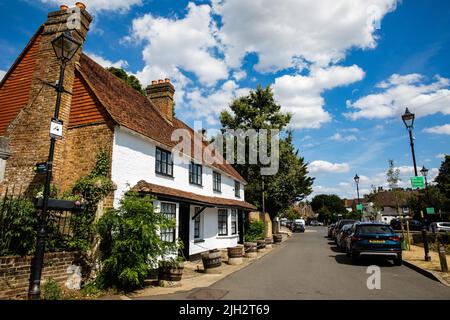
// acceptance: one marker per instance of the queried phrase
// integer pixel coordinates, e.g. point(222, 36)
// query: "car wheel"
point(398, 261)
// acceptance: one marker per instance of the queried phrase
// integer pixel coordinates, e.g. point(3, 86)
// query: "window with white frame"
point(169, 210)
point(197, 224)
point(237, 189)
point(234, 219)
point(223, 222)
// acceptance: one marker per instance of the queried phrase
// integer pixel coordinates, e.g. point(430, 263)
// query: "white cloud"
point(105, 63)
point(399, 91)
point(347, 138)
point(208, 105)
point(445, 129)
point(100, 5)
point(292, 33)
point(2, 74)
point(239, 75)
point(440, 156)
point(301, 95)
point(174, 46)
point(321, 166)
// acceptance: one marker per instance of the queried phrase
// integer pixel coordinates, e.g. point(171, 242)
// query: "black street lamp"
point(408, 120)
point(424, 172)
point(65, 47)
point(356, 178)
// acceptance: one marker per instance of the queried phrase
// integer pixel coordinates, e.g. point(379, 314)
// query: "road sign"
point(40, 167)
point(359, 207)
point(417, 182)
point(430, 211)
point(56, 129)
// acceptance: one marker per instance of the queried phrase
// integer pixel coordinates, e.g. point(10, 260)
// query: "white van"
point(300, 221)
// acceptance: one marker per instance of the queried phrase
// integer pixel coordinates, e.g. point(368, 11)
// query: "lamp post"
point(65, 47)
point(356, 178)
point(424, 172)
point(408, 120)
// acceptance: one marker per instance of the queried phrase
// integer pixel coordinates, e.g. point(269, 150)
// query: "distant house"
point(389, 207)
point(101, 112)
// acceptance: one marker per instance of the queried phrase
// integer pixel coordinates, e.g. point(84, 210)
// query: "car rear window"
point(376, 229)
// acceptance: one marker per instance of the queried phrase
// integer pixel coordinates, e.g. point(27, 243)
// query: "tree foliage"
point(131, 80)
point(443, 182)
point(393, 178)
point(259, 110)
point(328, 207)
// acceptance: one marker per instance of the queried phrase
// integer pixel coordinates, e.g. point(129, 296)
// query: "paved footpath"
point(308, 266)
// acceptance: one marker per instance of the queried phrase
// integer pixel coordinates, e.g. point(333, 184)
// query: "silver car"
point(440, 227)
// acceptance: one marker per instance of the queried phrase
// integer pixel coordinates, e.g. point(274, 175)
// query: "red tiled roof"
point(132, 110)
point(145, 187)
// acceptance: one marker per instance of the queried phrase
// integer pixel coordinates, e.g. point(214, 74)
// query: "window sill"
point(164, 175)
point(198, 240)
point(196, 184)
point(217, 191)
point(228, 236)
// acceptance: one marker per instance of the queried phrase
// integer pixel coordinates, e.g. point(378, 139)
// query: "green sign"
point(417, 182)
point(359, 207)
point(430, 211)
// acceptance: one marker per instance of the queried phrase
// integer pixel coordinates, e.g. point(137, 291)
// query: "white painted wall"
point(209, 232)
point(133, 160)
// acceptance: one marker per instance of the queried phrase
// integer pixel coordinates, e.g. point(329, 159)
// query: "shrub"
point(18, 226)
point(131, 243)
point(51, 289)
point(255, 231)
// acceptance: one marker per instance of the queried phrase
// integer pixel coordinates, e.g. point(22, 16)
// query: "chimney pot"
point(155, 82)
point(160, 81)
point(81, 5)
point(161, 93)
point(63, 7)
point(167, 80)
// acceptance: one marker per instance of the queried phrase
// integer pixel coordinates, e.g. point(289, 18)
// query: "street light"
point(65, 47)
point(408, 120)
point(424, 172)
point(356, 178)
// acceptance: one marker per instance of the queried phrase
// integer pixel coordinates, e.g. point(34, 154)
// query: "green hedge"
point(432, 238)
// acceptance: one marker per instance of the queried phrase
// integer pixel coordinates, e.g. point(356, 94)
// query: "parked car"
point(320, 224)
point(440, 227)
point(298, 227)
point(339, 226)
point(314, 223)
point(342, 236)
point(289, 224)
point(373, 239)
point(414, 225)
point(330, 230)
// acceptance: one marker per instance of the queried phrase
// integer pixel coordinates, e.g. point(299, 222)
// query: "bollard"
point(442, 258)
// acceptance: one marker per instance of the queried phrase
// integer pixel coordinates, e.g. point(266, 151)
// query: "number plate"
point(376, 241)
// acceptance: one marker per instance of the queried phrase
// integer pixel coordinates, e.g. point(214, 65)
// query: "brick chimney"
point(161, 93)
point(29, 132)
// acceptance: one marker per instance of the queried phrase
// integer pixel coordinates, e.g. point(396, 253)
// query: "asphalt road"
point(308, 266)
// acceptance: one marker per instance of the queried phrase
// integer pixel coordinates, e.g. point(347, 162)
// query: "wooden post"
point(407, 232)
point(442, 257)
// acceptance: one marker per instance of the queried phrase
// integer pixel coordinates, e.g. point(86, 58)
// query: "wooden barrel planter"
point(261, 245)
point(277, 238)
point(171, 273)
point(212, 259)
point(250, 249)
point(269, 242)
point(235, 255)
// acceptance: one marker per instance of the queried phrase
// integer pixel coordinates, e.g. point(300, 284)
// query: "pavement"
point(308, 266)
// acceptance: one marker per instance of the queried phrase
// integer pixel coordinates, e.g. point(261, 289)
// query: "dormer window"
point(195, 173)
point(164, 162)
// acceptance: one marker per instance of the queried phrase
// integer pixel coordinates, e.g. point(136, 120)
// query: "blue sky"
point(345, 69)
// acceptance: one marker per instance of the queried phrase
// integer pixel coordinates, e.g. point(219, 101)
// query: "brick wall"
point(15, 272)
point(83, 145)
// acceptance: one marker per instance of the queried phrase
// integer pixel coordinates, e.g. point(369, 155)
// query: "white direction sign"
point(56, 129)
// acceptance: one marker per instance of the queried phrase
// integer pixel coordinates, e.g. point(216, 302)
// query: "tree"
point(259, 110)
point(131, 80)
point(328, 206)
point(443, 183)
point(393, 178)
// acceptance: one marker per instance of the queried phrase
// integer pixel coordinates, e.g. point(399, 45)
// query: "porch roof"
point(157, 190)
